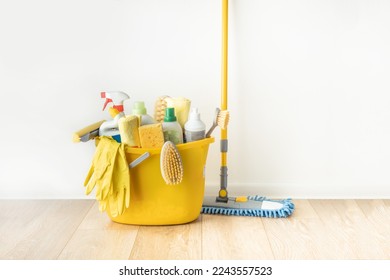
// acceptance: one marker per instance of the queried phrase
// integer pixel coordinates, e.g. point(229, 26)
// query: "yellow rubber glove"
point(100, 172)
point(119, 196)
point(121, 181)
point(110, 174)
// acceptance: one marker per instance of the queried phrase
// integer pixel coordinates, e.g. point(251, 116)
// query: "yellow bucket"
point(152, 201)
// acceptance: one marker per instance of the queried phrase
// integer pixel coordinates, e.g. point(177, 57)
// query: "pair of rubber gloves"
point(109, 173)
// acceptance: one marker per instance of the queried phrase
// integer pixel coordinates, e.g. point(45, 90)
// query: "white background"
point(309, 89)
point(110, 269)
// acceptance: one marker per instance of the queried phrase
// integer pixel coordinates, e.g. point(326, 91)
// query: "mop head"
point(256, 206)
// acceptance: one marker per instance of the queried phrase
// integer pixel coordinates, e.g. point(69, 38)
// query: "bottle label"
point(173, 136)
point(194, 135)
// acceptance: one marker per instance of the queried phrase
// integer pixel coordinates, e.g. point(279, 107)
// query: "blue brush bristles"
point(285, 211)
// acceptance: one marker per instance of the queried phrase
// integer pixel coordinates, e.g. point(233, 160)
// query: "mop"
point(257, 206)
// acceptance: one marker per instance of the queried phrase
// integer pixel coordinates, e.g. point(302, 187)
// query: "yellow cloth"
point(109, 172)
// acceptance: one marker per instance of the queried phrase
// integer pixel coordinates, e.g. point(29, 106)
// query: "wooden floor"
point(75, 229)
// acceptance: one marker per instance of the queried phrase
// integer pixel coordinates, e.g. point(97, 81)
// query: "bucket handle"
point(139, 159)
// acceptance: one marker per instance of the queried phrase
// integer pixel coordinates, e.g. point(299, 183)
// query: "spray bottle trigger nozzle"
point(108, 100)
point(116, 97)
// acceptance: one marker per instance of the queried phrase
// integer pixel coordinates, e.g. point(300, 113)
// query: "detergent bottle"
point(110, 128)
point(140, 111)
point(194, 128)
point(171, 128)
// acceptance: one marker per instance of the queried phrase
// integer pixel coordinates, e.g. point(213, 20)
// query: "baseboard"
point(269, 190)
point(303, 191)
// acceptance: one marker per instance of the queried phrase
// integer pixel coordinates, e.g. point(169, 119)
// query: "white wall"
point(309, 89)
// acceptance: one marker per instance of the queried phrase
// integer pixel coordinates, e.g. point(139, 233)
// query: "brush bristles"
point(223, 119)
point(171, 164)
point(159, 108)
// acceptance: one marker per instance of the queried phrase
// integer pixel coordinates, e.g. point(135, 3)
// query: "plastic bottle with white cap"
point(194, 128)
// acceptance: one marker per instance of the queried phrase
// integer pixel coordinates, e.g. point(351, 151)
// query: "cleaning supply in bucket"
point(140, 111)
point(150, 200)
point(110, 128)
point(171, 128)
point(194, 128)
point(115, 97)
point(128, 128)
point(87, 133)
point(159, 108)
point(182, 108)
point(109, 173)
point(221, 119)
point(114, 112)
point(151, 136)
point(171, 164)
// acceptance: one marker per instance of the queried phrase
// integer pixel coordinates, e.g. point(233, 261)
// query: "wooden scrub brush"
point(221, 119)
point(159, 108)
point(171, 164)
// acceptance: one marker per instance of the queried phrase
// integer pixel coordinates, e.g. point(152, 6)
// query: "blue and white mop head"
point(256, 206)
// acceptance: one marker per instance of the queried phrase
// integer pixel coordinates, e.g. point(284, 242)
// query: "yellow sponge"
point(128, 128)
point(151, 136)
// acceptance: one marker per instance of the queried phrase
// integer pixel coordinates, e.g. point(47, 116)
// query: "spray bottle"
point(110, 128)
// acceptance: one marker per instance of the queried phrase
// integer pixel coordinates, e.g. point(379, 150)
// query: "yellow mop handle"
point(224, 105)
point(224, 54)
point(224, 101)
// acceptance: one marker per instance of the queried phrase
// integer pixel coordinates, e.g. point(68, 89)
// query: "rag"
point(109, 173)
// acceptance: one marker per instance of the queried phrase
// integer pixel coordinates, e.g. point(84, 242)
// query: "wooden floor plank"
point(341, 233)
point(75, 229)
point(349, 229)
point(168, 242)
point(377, 213)
point(301, 236)
point(303, 210)
point(234, 237)
point(98, 238)
point(38, 229)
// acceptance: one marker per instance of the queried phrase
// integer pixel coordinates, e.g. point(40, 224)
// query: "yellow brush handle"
point(78, 134)
point(224, 85)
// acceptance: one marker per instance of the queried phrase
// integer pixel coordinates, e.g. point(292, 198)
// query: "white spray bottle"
point(110, 128)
